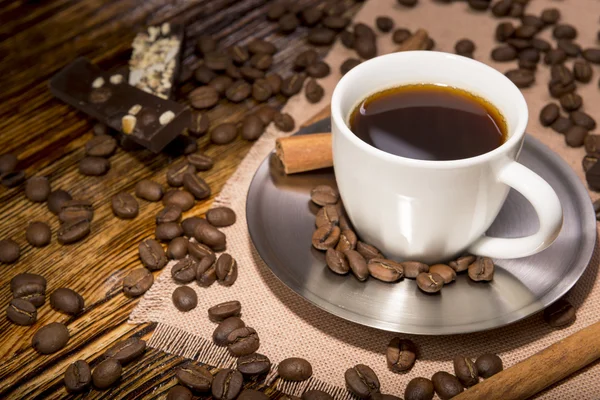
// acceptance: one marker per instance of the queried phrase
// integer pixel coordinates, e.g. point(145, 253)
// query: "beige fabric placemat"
point(290, 326)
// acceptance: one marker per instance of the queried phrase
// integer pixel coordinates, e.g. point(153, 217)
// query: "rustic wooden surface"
point(37, 38)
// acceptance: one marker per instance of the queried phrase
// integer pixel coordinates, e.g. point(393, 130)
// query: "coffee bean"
point(305, 59)
point(73, 231)
point(384, 24)
point(251, 394)
point(29, 287)
point(347, 241)
point(221, 216)
point(526, 64)
point(21, 312)
point(107, 373)
point(148, 190)
point(550, 16)
point(400, 35)
point(347, 39)
point(223, 134)
point(321, 36)
point(319, 69)
point(168, 214)
point(199, 125)
point(559, 314)
point(532, 55)
point(335, 22)
point(558, 88)
point(592, 145)
point(225, 310)
point(261, 90)
point(137, 282)
point(206, 273)
point(461, 263)
point(324, 195)
point(274, 80)
point(253, 364)
point(184, 298)
point(571, 49)
point(152, 255)
point(571, 101)
point(67, 301)
point(184, 271)
point(562, 125)
point(225, 328)
point(419, 389)
point(177, 248)
point(443, 270)
point(504, 31)
point(549, 114)
point(198, 250)
point(266, 114)
point(124, 205)
point(234, 73)
point(348, 65)
point(196, 186)
point(38, 234)
point(189, 224)
point(534, 21)
point(465, 47)
point(168, 231)
point(357, 263)
point(210, 236)
point(336, 261)
point(50, 338)
point(238, 91)
point(226, 269)
point(482, 269)
point(288, 23)
point(217, 60)
point(488, 365)
point(25, 279)
point(203, 97)
point(294, 369)
point(12, 179)
point(56, 199)
point(251, 74)
point(179, 392)
point(206, 44)
point(412, 269)
point(446, 385)
point(259, 46)
point(582, 71)
point(37, 188)
point(385, 270)
point(176, 172)
point(292, 85)
point(204, 75)
point(101, 146)
point(284, 122)
point(94, 166)
point(316, 394)
point(541, 45)
point(200, 161)
point(408, 3)
point(525, 31)
point(361, 381)
point(8, 163)
point(466, 371)
point(401, 354)
point(504, 53)
point(227, 384)
point(276, 11)
point(314, 92)
point(564, 31)
point(127, 350)
point(519, 44)
point(592, 55)
point(479, 5)
point(575, 136)
point(501, 8)
point(243, 341)
point(367, 251)
point(194, 377)
point(327, 215)
point(78, 376)
point(522, 78)
point(365, 47)
point(72, 210)
point(311, 16)
point(582, 119)
point(325, 237)
point(430, 282)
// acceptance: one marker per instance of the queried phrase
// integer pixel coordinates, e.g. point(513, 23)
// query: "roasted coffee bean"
point(94, 166)
point(8, 163)
point(198, 250)
point(550, 16)
point(253, 364)
point(559, 314)
point(226, 269)
point(400, 35)
point(234, 73)
point(239, 54)
point(101, 146)
point(50, 338)
point(385, 270)
point(56, 199)
point(168, 231)
point(266, 114)
point(316, 394)
point(532, 20)
point(152, 255)
point(38, 234)
point(347, 39)
point(225, 310)
point(275, 82)
point(408, 3)
point(206, 44)
point(504, 53)
point(562, 125)
point(335, 22)
point(177, 248)
point(347, 241)
point(430, 282)
point(592, 145)
point(73, 231)
point(284, 122)
point(227, 384)
point(560, 73)
point(217, 60)
point(206, 273)
point(549, 114)
point(37, 188)
point(261, 90)
point(365, 47)
point(168, 214)
point(179, 392)
point(325, 237)
point(124, 205)
point(336, 261)
point(479, 5)
point(501, 8)
point(210, 236)
point(482, 269)
point(582, 71)
point(540, 45)
point(259, 46)
point(67, 301)
point(519, 44)
point(294, 369)
point(526, 64)
point(466, 371)
point(504, 31)
point(189, 224)
point(582, 119)
point(200, 124)
point(327, 215)
point(107, 373)
point(558, 89)
point(137, 282)
point(384, 24)
point(176, 172)
point(361, 381)
point(21, 312)
point(419, 389)
point(148, 190)
point(461, 263)
point(314, 92)
point(276, 11)
point(592, 55)
point(488, 365)
point(575, 136)
point(571, 49)
point(25, 279)
point(78, 377)
point(179, 198)
point(358, 264)
point(571, 101)
point(525, 31)
point(532, 55)
point(292, 85)
point(12, 179)
point(200, 161)
point(196, 186)
point(223, 134)
point(564, 31)
point(465, 47)
point(203, 97)
point(238, 91)
point(251, 74)
point(443, 270)
point(127, 350)
point(367, 251)
point(194, 377)
point(311, 16)
point(243, 341)
point(221, 216)
point(251, 394)
point(184, 271)
point(72, 210)
point(318, 69)
point(288, 23)
point(412, 269)
point(321, 36)
point(225, 328)
point(184, 298)
point(401, 354)
point(305, 59)
point(324, 195)
point(204, 75)
point(446, 385)
point(522, 78)
point(348, 65)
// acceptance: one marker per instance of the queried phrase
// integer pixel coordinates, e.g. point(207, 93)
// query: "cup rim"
point(339, 120)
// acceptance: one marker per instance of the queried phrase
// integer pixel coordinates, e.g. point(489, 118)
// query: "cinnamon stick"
point(309, 152)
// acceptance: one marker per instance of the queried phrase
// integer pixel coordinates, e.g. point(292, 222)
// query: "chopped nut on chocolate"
point(128, 124)
point(166, 117)
point(98, 82)
point(135, 109)
point(116, 79)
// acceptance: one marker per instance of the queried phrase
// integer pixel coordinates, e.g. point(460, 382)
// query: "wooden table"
point(38, 38)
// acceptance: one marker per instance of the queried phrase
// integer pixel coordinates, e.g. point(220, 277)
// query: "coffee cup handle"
point(547, 206)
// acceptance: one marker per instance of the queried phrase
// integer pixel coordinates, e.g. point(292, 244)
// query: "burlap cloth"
point(290, 326)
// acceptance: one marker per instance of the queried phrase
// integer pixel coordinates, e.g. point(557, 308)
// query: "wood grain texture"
point(38, 38)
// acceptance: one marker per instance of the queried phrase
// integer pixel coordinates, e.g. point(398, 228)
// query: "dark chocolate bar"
point(155, 59)
point(147, 119)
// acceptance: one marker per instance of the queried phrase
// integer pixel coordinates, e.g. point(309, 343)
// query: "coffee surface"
point(429, 122)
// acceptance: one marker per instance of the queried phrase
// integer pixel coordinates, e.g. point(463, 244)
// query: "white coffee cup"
point(432, 211)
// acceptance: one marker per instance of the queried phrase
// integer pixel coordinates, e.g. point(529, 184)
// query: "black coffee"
point(429, 122)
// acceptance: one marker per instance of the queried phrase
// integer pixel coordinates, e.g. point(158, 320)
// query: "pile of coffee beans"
point(98, 150)
point(345, 252)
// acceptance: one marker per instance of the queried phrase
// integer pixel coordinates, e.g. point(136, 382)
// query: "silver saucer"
point(281, 222)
